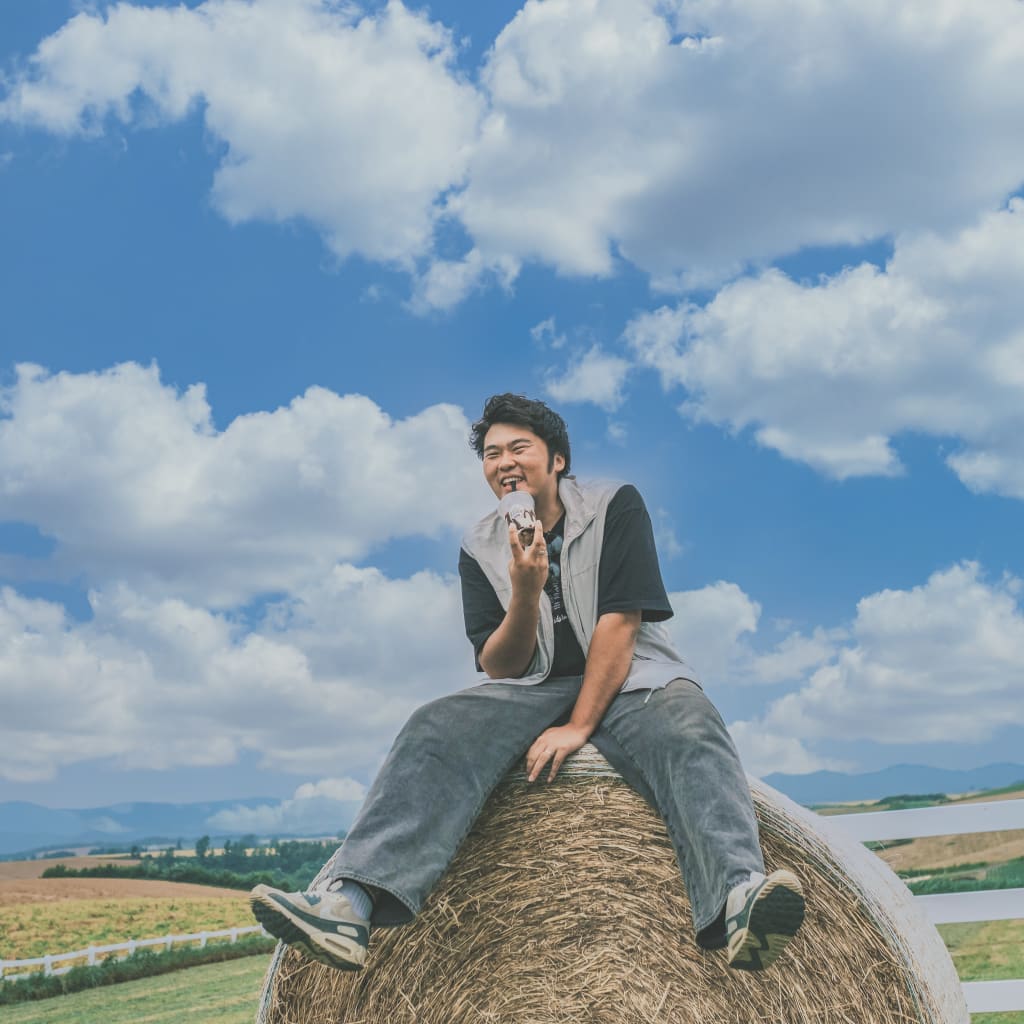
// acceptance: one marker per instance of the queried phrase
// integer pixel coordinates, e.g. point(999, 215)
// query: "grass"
point(987, 950)
point(35, 929)
point(214, 994)
point(227, 993)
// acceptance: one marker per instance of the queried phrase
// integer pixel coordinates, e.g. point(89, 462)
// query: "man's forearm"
point(509, 649)
point(608, 661)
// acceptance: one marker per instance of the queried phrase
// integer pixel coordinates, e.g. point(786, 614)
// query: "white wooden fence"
point(988, 905)
point(90, 955)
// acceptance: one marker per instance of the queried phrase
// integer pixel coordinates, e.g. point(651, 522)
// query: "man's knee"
point(686, 711)
point(437, 718)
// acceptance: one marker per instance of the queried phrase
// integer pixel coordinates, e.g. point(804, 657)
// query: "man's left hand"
point(553, 745)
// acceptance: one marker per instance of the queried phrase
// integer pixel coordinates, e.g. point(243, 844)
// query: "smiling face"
point(513, 453)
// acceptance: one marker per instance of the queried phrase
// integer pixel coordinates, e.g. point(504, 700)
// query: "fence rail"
point(948, 908)
point(920, 822)
point(90, 954)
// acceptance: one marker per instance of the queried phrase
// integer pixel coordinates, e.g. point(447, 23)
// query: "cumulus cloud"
point(316, 807)
point(690, 138)
point(592, 376)
point(694, 138)
point(711, 627)
point(134, 482)
point(356, 123)
point(830, 373)
point(445, 283)
point(764, 752)
point(943, 659)
point(322, 682)
point(940, 662)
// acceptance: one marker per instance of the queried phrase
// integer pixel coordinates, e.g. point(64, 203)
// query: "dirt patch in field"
point(981, 798)
point(35, 868)
point(56, 890)
point(949, 851)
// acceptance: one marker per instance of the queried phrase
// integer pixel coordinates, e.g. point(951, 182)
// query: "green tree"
point(202, 847)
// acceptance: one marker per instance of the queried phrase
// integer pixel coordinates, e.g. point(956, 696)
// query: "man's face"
point(514, 453)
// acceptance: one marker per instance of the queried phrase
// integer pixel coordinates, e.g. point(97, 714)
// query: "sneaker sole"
point(775, 917)
point(294, 932)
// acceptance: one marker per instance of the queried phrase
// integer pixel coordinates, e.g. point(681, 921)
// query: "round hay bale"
point(565, 904)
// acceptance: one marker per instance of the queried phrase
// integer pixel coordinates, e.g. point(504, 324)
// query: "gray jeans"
point(669, 744)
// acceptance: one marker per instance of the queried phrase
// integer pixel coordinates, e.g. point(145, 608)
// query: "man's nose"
point(506, 462)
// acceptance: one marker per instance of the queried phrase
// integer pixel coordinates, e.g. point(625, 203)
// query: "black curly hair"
point(529, 413)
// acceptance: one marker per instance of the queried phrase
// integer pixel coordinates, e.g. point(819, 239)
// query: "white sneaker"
point(761, 917)
point(320, 924)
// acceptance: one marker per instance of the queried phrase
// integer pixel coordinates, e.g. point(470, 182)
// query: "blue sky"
point(262, 262)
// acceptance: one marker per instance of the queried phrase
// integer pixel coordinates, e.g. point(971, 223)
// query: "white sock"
point(361, 900)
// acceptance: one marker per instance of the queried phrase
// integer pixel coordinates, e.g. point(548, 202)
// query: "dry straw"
point(565, 904)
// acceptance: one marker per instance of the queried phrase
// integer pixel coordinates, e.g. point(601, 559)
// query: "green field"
point(213, 994)
point(228, 993)
point(986, 950)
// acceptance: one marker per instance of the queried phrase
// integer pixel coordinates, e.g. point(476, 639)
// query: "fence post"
point(234, 934)
point(202, 940)
point(92, 956)
point(48, 965)
point(131, 946)
point(169, 943)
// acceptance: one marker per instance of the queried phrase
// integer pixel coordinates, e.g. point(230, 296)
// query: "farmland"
point(54, 915)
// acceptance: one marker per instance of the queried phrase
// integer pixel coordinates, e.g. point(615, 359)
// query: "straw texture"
point(565, 904)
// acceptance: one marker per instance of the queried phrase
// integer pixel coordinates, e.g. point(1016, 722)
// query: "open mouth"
point(511, 483)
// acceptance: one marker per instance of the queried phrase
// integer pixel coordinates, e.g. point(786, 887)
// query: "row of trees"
point(288, 864)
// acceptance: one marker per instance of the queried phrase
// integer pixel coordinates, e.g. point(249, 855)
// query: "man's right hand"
point(510, 648)
point(529, 566)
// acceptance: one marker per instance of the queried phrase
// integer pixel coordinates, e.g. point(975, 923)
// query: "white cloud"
point(695, 137)
point(356, 123)
point(445, 283)
point(710, 627)
point(327, 677)
point(829, 373)
point(942, 662)
point(592, 376)
point(764, 752)
point(333, 789)
point(545, 333)
point(135, 483)
point(691, 138)
point(316, 807)
point(939, 663)
point(325, 681)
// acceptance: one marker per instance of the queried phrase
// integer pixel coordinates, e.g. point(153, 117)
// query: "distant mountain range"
point(837, 787)
point(27, 828)
point(30, 827)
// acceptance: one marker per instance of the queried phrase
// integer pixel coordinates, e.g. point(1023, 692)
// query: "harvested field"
point(14, 892)
point(31, 929)
point(949, 851)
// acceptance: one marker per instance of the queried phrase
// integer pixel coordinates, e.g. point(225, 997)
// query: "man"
point(567, 631)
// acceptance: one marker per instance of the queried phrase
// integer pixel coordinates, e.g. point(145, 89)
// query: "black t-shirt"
point(629, 579)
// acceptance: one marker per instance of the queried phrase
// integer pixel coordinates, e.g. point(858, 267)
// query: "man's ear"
point(559, 462)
